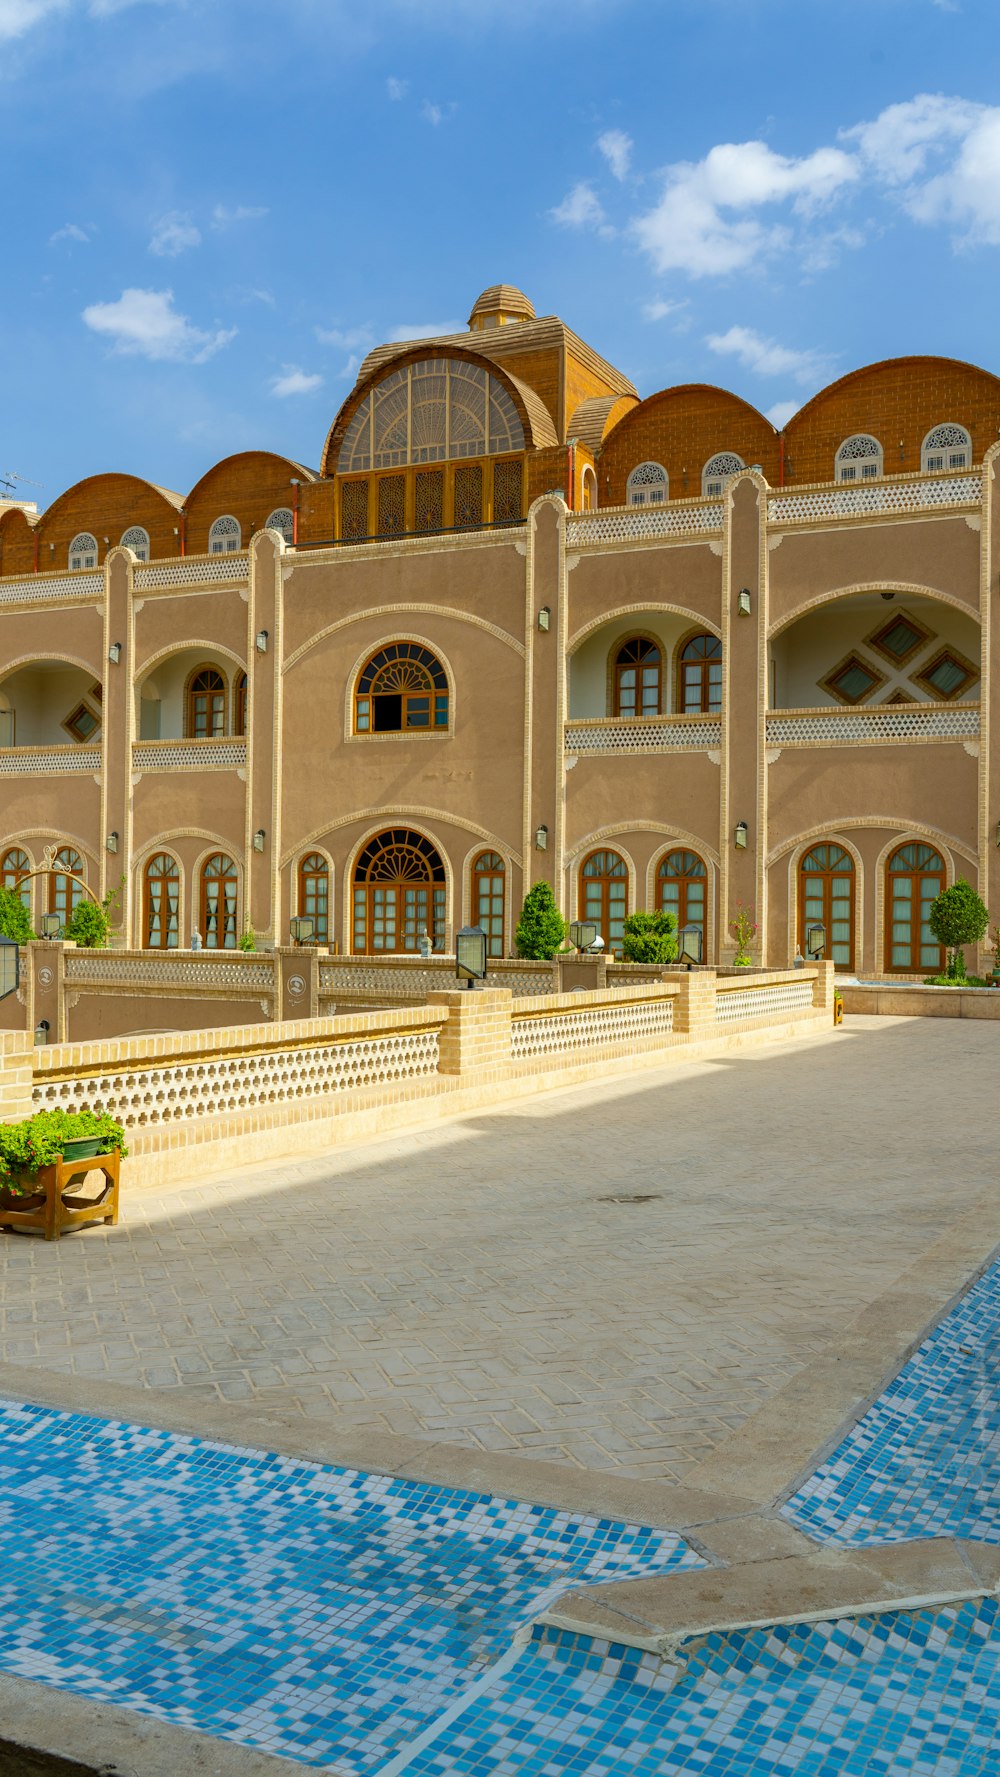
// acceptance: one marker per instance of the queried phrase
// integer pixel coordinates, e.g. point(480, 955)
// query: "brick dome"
point(499, 304)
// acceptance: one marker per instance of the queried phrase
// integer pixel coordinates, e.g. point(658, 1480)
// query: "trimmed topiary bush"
point(541, 927)
point(650, 937)
point(957, 917)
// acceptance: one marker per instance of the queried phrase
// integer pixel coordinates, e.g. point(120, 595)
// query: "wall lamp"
point(42, 1033)
point(544, 618)
point(258, 839)
point(743, 602)
point(115, 653)
point(541, 838)
point(998, 833)
point(262, 641)
point(112, 842)
point(740, 836)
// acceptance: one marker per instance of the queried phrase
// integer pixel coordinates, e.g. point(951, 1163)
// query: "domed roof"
point(502, 299)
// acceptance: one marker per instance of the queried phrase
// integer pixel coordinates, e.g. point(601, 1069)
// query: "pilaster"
point(476, 1038)
point(744, 711)
point(545, 696)
point(117, 736)
point(16, 1075)
point(263, 738)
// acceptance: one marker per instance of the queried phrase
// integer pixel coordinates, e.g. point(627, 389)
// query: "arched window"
point(488, 877)
point(219, 886)
point(858, 459)
point(205, 714)
point(428, 412)
point(826, 898)
point(314, 894)
point(717, 471)
point(83, 551)
point(399, 893)
point(638, 678)
point(647, 485)
point(240, 704)
point(589, 490)
point(161, 885)
point(403, 686)
point(225, 536)
point(14, 865)
point(64, 893)
point(946, 447)
point(700, 675)
point(136, 539)
point(604, 895)
point(681, 889)
point(915, 876)
point(281, 519)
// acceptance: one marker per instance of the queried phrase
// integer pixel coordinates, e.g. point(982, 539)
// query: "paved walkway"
point(613, 1277)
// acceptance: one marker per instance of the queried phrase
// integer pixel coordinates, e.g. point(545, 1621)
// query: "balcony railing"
point(895, 493)
point(627, 524)
point(192, 570)
point(33, 588)
point(860, 727)
point(189, 755)
point(645, 734)
point(48, 761)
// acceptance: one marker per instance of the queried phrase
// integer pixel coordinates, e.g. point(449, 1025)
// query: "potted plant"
point(42, 1140)
point(744, 930)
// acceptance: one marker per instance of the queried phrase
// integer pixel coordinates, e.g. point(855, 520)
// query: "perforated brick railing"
point(192, 570)
point(862, 500)
point(51, 586)
point(900, 721)
point(735, 1003)
point(653, 734)
point(189, 755)
point(47, 761)
point(626, 524)
point(555, 1032)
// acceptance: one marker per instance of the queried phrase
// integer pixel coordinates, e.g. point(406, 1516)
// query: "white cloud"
point(294, 381)
point(347, 339)
point(616, 148)
point(942, 157)
point(658, 310)
point(174, 234)
point(423, 330)
point(767, 357)
point(18, 16)
point(221, 217)
point(581, 208)
point(396, 89)
point(432, 114)
point(705, 223)
point(782, 411)
point(144, 323)
point(70, 231)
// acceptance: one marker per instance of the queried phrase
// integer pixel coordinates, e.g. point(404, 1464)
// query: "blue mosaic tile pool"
point(925, 1459)
point(900, 1695)
point(306, 1610)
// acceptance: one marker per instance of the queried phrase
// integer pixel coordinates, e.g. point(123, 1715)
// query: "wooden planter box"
point(51, 1206)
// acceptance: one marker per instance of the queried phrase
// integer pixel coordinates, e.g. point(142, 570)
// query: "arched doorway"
point(314, 894)
point(604, 895)
point(161, 902)
point(637, 689)
point(219, 902)
point(700, 676)
point(915, 876)
point(399, 893)
point(681, 889)
point(826, 898)
point(64, 893)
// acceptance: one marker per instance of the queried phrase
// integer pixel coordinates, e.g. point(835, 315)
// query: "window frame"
point(706, 661)
point(173, 921)
point(598, 905)
point(214, 533)
point(852, 656)
point(222, 877)
point(65, 900)
point(927, 450)
point(634, 496)
point(916, 875)
point(682, 909)
point(842, 464)
point(713, 479)
point(947, 651)
point(84, 545)
point(139, 550)
point(6, 869)
point(191, 691)
point(827, 875)
point(304, 875)
point(438, 695)
point(617, 668)
point(480, 872)
point(366, 885)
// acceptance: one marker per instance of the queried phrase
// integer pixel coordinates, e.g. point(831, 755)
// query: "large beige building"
point(520, 624)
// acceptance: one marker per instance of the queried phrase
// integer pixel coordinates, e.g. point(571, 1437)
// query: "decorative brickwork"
point(811, 505)
point(626, 524)
point(733, 1004)
point(48, 761)
point(901, 721)
point(662, 734)
point(52, 586)
point(189, 755)
point(555, 1033)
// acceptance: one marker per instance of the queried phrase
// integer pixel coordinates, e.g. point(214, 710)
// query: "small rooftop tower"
point(499, 306)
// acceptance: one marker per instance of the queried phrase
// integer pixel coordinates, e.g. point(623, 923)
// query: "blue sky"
point(214, 207)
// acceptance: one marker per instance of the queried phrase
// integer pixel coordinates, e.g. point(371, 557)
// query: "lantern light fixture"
point(583, 933)
point(542, 838)
point(111, 842)
point(262, 635)
point(258, 839)
point(51, 924)
point(743, 602)
point(302, 928)
point(470, 955)
point(690, 944)
point(815, 941)
point(115, 653)
point(545, 618)
point(740, 836)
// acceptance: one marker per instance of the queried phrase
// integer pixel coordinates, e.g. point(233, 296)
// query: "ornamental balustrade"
point(733, 1004)
point(192, 570)
point(808, 505)
point(399, 977)
point(627, 524)
point(189, 971)
point(885, 722)
point(555, 1030)
point(36, 587)
point(645, 734)
point(189, 755)
point(48, 761)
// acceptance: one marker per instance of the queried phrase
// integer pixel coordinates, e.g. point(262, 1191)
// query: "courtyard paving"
point(613, 1278)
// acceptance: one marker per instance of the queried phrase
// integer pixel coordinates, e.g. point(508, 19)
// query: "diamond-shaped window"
point(900, 638)
point(948, 675)
point(853, 680)
point(81, 723)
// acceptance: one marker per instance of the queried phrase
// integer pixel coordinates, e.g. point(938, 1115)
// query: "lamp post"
point(690, 944)
point(10, 967)
point(815, 941)
point(51, 924)
point(470, 955)
point(582, 933)
point(302, 928)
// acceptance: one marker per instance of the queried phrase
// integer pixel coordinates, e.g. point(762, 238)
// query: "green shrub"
point(957, 981)
point(541, 927)
point(957, 917)
point(650, 937)
point(15, 920)
point(88, 925)
point(39, 1141)
point(248, 938)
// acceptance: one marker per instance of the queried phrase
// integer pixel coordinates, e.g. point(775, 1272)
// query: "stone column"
point(544, 715)
point(476, 1039)
point(45, 963)
point(263, 767)
point(16, 1075)
point(744, 708)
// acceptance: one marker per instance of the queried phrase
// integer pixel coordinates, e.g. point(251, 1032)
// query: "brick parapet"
point(16, 1075)
point(476, 1037)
